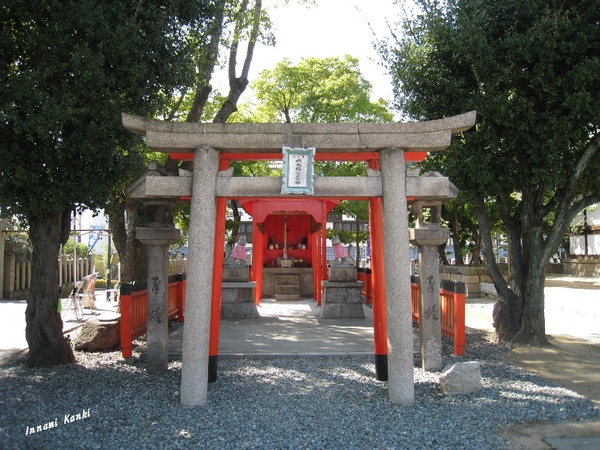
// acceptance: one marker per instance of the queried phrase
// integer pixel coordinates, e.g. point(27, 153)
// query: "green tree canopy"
point(532, 71)
point(68, 70)
point(329, 90)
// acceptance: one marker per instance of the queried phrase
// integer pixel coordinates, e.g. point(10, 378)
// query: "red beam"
point(319, 156)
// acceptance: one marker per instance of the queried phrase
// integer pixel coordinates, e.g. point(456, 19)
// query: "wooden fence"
point(452, 311)
point(134, 309)
point(17, 274)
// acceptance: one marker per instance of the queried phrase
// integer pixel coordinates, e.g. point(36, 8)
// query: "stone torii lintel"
point(182, 137)
point(153, 185)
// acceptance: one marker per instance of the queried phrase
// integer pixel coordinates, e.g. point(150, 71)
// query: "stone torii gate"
point(210, 185)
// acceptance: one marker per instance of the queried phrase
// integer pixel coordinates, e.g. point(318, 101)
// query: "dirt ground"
point(569, 363)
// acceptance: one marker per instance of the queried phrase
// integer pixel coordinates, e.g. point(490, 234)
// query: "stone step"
point(287, 279)
point(286, 297)
point(287, 289)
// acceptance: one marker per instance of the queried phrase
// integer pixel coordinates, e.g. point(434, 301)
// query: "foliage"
point(82, 249)
point(329, 90)
point(68, 70)
point(532, 72)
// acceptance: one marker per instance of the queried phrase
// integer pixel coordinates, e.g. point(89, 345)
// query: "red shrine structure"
point(298, 220)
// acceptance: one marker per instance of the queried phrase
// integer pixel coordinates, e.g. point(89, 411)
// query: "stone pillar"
point(2, 226)
point(427, 236)
point(157, 234)
point(401, 389)
point(196, 331)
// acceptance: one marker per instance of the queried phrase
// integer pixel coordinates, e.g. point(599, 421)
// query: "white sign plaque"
point(298, 170)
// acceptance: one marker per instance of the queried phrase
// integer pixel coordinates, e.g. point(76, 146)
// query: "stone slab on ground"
point(574, 443)
point(461, 378)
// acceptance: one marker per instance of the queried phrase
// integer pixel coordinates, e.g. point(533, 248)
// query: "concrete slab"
point(12, 321)
point(291, 329)
point(574, 443)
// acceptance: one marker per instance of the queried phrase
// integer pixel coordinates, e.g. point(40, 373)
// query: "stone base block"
point(237, 300)
point(342, 311)
point(287, 297)
point(342, 273)
point(236, 274)
point(342, 300)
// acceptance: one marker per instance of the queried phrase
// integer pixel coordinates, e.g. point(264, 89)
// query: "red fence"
point(134, 309)
point(452, 311)
point(366, 290)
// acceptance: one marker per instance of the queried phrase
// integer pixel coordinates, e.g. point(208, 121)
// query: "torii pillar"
point(203, 211)
point(397, 281)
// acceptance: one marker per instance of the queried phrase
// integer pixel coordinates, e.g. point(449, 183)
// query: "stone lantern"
point(157, 233)
point(428, 235)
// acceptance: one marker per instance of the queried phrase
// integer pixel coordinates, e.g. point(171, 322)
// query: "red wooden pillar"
point(459, 319)
point(257, 260)
point(323, 249)
point(217, 279)
point(125, 323)
point(316, 265)
point(378, 284)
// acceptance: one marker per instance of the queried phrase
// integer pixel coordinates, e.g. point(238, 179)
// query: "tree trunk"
point(132, 253)
point(44, 331)
point(229, 106)
point(456, 240)
point(442, 254)
point(532, 327)
point(506, 314)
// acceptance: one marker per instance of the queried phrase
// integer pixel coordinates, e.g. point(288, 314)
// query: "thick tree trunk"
point(532, 327)
point(44, 331)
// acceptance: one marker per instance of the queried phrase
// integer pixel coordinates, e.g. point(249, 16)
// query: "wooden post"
point(378, 289)
point(459, 318)
point(257, 260)
point(217, 280)
point(125, 323)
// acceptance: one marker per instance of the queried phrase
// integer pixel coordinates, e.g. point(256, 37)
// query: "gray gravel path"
point(281, 403)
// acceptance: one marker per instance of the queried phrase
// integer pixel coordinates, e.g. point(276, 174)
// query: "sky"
point(333, 28)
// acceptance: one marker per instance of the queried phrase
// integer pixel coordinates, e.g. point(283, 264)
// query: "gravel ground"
point(280, 403)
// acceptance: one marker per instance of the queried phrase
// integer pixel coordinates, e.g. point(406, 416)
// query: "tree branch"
point(238, 85)
point(253, 39)
point(486, 237)
point(204, 86)
point(582, 164)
